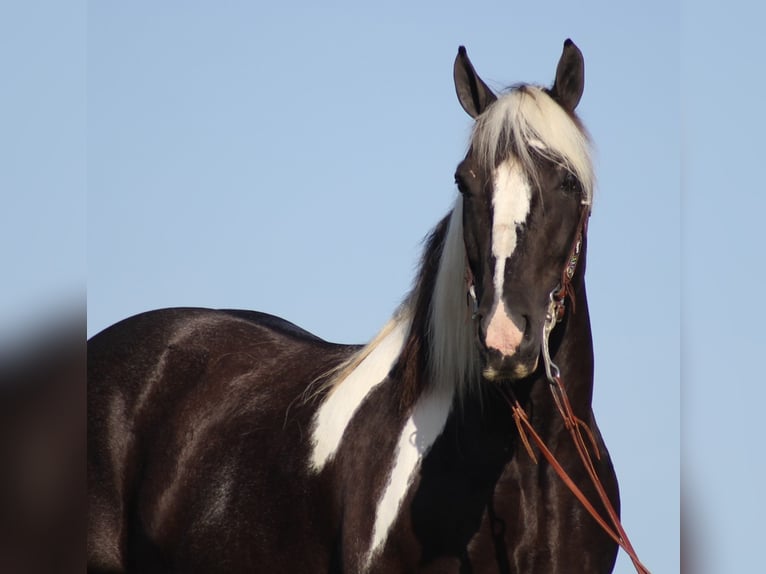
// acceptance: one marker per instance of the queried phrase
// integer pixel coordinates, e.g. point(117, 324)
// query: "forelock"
point(524, 119)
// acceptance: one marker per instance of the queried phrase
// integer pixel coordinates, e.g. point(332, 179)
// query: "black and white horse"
point(234, 441)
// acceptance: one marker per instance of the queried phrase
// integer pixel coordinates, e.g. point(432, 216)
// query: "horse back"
point(193, 416)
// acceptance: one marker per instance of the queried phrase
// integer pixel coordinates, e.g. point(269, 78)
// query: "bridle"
point(554, 315)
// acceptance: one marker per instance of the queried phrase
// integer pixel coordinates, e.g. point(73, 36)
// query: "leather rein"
point(577, 428)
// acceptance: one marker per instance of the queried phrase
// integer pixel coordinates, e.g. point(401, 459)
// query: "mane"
point(433, 326)
point(434, 318)
point(525, 118)
point(453, 358)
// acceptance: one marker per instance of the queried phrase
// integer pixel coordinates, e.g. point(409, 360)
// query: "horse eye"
point(461, 187)
point(570, 183)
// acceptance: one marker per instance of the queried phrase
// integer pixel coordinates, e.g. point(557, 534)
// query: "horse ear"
point(474, 95)
point(570, 77)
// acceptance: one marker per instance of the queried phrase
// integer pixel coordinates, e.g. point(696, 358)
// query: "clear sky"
point(290, 157)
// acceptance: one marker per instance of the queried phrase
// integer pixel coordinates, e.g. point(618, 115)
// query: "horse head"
point(526, 186)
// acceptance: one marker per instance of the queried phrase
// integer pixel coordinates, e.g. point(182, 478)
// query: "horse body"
point(190, 426)
point(209, 462)
point(234, 441)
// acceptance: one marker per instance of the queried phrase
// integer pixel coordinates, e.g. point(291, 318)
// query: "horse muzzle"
point(509, 348)
point(498, 368)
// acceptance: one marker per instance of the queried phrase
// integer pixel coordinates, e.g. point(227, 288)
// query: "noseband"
point(554, 315)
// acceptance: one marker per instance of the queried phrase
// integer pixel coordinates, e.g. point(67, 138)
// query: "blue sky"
point(722, 319)
point(43, 165)
point(290, 157)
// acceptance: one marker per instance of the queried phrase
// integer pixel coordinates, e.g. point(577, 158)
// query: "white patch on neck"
point(420, 431)
point(511, 205)
point(342, 402)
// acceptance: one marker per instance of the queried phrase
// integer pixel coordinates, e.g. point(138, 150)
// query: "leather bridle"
point(576, 427)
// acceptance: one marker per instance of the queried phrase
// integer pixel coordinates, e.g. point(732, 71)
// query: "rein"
point(575, 426)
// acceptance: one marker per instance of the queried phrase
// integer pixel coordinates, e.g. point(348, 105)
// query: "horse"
point(235, 441)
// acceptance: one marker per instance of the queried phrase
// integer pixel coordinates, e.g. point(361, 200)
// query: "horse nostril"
point(526, 328)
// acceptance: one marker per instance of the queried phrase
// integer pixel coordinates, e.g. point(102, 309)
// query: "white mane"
point(453, 354)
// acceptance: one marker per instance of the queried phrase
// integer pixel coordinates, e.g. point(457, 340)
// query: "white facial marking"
point(420, 431)
point(338, 409)
point(537, 144)
point(511, 206)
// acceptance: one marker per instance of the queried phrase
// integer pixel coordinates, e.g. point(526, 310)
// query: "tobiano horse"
point(234, 441)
